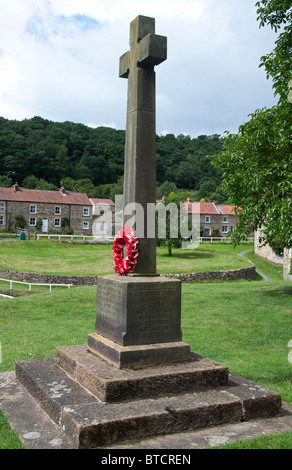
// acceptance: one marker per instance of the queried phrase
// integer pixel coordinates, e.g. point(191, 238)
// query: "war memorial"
point(135, 378)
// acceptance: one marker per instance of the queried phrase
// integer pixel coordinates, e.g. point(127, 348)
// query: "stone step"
point(89, 422)
point(111, 384)
point(51, 388)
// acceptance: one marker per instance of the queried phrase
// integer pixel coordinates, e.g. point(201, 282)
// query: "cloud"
point(59, 59)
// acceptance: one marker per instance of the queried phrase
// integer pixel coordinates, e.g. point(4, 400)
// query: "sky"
point(59, 59)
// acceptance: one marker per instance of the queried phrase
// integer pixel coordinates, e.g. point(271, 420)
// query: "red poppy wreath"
point(125, 237)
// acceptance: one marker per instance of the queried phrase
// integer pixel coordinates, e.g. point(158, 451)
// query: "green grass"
point(245, 325)
point(42, 256)
point(8, 437)
point(273, 270)
point(271, 442)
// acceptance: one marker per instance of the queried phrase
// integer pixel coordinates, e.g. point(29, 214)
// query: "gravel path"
point(266, 278)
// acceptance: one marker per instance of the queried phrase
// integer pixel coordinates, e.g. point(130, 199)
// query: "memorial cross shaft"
point(147, 49)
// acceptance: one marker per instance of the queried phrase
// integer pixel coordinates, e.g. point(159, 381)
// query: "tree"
point(20, 221)
point(5, 181)
point(84, 186)
point(256, 162)
point(45, 186)
point(62, 161)
point(165, 189)
point(169, 223)
point(30, 182)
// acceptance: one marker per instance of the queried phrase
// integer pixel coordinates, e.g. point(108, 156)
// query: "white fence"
point(30, 284)
point(221, 239)
point(88, 237)
point(50, 236)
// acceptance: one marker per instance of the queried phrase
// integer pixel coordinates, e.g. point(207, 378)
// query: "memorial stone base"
point(138, 321)
point(136, 378)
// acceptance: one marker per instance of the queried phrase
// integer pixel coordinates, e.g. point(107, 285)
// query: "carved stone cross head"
point(147, 49)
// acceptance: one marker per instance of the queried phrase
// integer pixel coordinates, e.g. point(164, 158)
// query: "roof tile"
point(49, 197)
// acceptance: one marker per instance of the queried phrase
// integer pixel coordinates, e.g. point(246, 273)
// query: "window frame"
point(85, 222)
point(58, 225)
point(57, 208)
point(86, 212)
point(209, 219)
point(30, 223)
point(30, 209)
point(2, 204)
point(2, 220)
point(223, 227)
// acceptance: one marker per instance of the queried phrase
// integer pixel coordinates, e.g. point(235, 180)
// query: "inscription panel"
point(138, 311)
point(110, 309)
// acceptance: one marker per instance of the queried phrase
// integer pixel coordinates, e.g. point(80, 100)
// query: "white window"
point(85, 225)
point(2, 219)
point(225, 219)
point(2, 206)
point(32, 221)
point(207, 231)
point(57, 210)
point(207, 219)
point(86, 211)
point(232, 228)
point(32, 209)
point(57, 222)
point(224, 228)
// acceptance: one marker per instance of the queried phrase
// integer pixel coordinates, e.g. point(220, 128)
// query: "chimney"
point(63, 191)
point(16, 187)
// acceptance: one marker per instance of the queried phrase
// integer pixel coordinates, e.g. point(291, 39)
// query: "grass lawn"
point(245, 325)
point(49, 257)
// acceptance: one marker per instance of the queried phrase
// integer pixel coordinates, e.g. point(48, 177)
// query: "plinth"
point(135, 378)
point(138, 321)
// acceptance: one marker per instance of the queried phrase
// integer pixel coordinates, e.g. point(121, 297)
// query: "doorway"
point(45, 225)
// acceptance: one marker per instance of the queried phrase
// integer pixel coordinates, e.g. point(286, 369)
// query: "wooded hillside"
point(42, 154)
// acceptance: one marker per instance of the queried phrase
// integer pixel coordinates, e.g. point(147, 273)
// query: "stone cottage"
point(45, 211)
point(219, 219)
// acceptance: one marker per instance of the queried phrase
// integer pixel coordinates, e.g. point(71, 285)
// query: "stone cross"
point(147, 49)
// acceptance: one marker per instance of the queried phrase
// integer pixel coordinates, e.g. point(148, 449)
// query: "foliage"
point(65, 222)
point(42, 154)
point(169, 219)
point(5, 181)
point(257, 169)
point(20, 221)
point(278, 14)
point(39, 224)
point(256, 162)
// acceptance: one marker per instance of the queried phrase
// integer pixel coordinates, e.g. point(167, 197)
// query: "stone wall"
point(287, 264)
point(47, 278)
point(231, 275)
point(265, 251)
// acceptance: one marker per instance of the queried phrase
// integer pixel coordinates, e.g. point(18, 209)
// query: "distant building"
point(215, 219)
point(106, 222)
point(265, 251)
point(45, 211)
point(99, 206)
